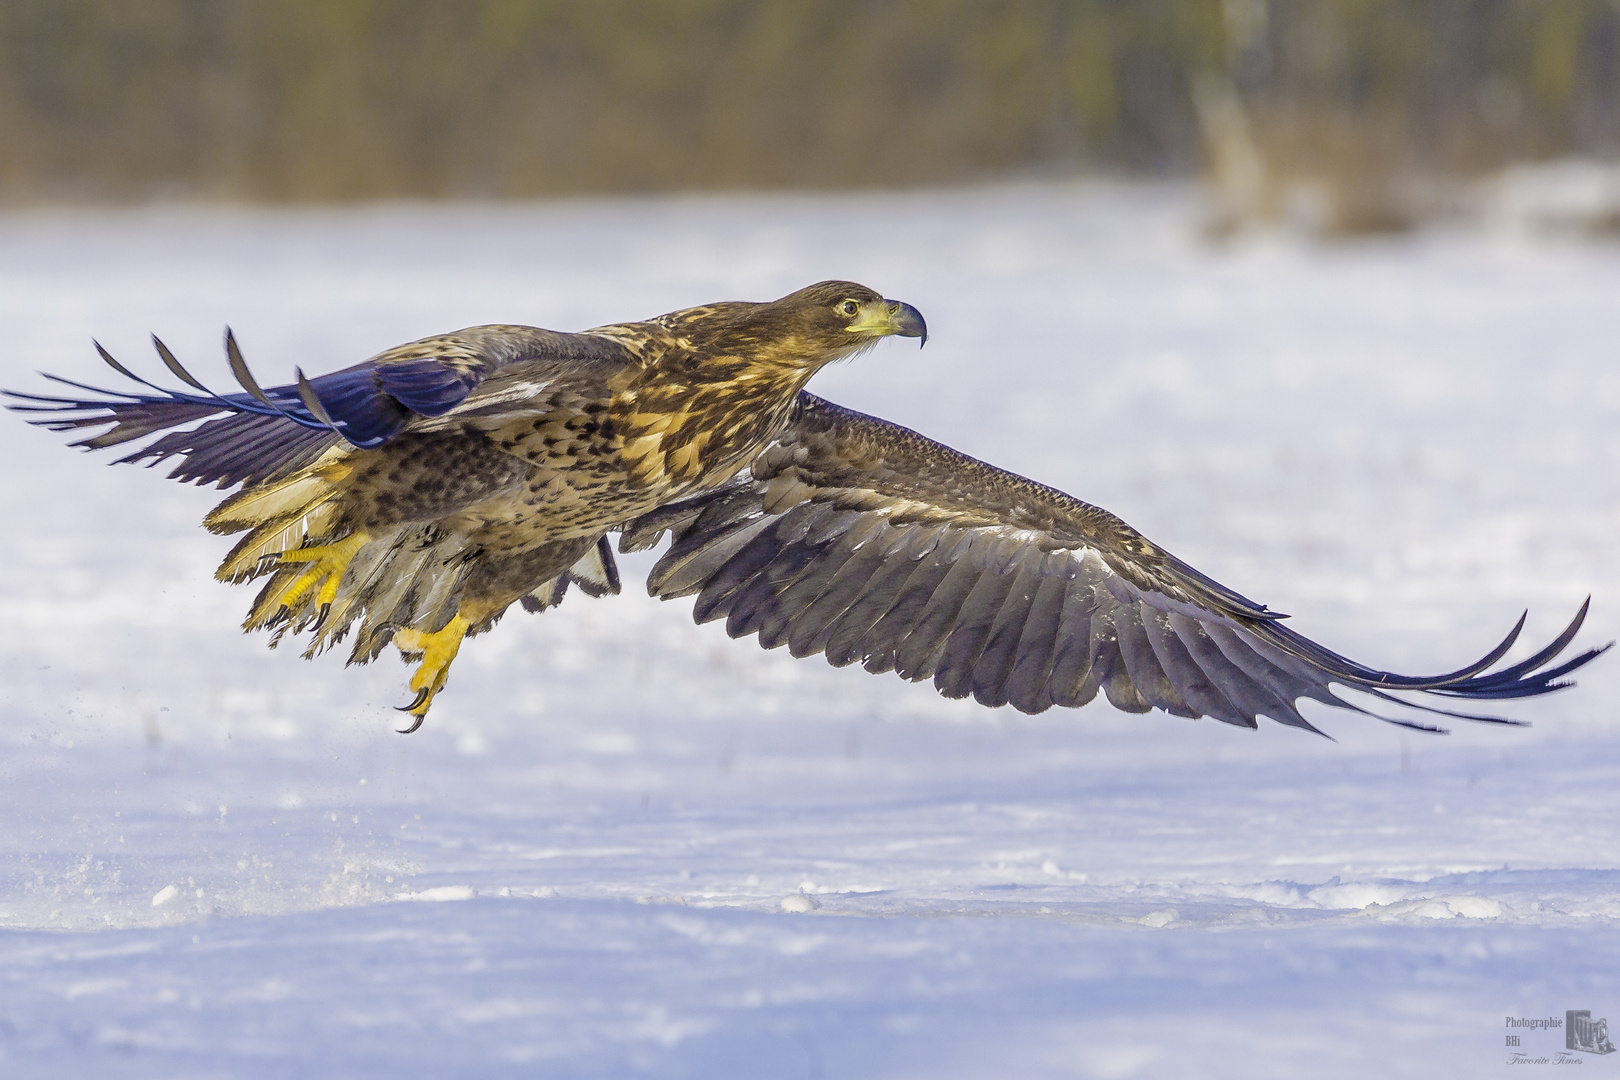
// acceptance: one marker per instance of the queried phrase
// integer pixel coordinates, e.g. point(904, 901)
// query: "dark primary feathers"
point(859, 539)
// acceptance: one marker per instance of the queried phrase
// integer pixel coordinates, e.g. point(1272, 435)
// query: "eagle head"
point(831, 320)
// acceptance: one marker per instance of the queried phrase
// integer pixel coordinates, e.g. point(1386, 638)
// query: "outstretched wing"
point(860, 539)
point(272, 433)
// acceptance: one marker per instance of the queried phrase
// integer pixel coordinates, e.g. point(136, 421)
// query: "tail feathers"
point(415, 581)
point(548, 594)
point(411, 576)
point(595, 573)
point(278, 503)
point(359, 583)
point(436, 595)
point(248, 559)
point(408, 576)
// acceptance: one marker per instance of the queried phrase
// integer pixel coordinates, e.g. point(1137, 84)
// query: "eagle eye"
point(849, 307)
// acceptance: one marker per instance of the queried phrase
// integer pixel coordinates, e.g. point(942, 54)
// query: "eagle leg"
point(327, 565)
point(437, 651)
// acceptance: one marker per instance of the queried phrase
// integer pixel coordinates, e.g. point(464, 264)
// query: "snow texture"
point(627, 846)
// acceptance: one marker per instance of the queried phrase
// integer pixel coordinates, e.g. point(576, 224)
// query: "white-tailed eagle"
point(414, 497)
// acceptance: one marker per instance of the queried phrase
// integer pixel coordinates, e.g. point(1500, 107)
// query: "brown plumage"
point(416, 496)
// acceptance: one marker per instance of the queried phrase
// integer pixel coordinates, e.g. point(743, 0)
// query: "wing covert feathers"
point(861, 540)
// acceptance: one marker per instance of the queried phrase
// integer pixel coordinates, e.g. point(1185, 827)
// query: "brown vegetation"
point(348, 99)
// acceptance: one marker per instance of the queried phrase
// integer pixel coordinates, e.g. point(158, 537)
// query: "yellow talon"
point(438, 650)
point(328, 562)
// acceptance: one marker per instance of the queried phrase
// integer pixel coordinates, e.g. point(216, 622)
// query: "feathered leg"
point(493, 584)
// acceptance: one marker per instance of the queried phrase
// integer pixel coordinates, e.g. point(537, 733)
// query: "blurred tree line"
point(349, 99)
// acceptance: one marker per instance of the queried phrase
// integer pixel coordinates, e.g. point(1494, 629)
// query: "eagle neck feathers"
point(705, 395)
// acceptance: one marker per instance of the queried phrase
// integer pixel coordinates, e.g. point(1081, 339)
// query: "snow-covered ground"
point(623, 845)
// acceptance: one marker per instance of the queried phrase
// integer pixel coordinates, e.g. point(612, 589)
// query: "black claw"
point(320, 619)
point(416, 702)
point(413, 727)
point(280, 616)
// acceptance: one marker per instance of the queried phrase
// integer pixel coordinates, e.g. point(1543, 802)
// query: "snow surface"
point(623, 845)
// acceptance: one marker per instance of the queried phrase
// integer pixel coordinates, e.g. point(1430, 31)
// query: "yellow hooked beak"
point(881, 318)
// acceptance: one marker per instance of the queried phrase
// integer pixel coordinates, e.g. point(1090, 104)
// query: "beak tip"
point(908, 322)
